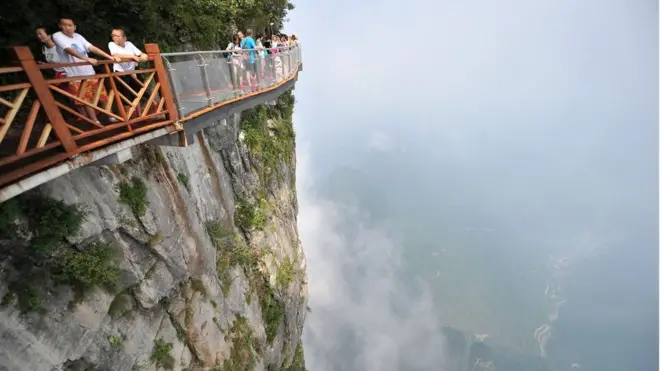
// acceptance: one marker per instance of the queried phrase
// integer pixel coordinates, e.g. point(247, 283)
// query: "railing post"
point(44, 95)
point(205, 78)
point(172, 79)
point(154, 53)
point(258, 65)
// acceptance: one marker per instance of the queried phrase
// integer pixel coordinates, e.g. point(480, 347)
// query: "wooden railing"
point(43, 123)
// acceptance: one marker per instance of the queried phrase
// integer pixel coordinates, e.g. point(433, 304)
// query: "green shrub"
point(272, 311)
point(242, 356)
point(89, 268)
point(285, 273)
point(29, 299)
point(161, 356)
point(250, 216)
point(114, 340)
point(299, 359)
point(183, 179)
point(50, 221)
point(134, 195)
point(45, 257)
point(270, 150)
point(217, 231)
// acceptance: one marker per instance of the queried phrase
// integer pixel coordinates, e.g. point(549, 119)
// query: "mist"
point(450, 153)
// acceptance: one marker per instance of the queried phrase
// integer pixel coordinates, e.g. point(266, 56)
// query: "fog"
point(510, 134)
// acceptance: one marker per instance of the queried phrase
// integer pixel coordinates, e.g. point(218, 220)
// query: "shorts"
point(130, 81)
point(63, 85)
point(250, 67)
point(85, 90)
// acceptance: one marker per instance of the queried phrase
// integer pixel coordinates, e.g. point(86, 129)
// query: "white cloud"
point(380, 141)
point(353, 284)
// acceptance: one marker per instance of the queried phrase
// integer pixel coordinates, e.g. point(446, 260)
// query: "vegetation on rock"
point(248, 216)
point(285, 273)
point(232, 252)
point(39, 227)
point(270, 136)
point(114, 340)
point(161, 356)
point(183, 179)
point(242, 356)
point(298, 363)
point(134, 195)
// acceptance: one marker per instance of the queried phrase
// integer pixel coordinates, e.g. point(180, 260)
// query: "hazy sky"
point(551, 101)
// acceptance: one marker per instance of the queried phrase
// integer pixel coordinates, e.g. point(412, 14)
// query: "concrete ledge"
point(115, 158)
point(173, 140)
point(79, 161)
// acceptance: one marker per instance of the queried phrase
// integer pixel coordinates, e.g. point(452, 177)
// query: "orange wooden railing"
point(41, 126)
point(42, 123)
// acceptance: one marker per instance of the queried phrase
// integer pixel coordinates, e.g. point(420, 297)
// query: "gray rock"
point(168, 289)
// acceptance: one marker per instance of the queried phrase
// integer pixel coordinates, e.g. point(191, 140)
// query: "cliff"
point(180, 259)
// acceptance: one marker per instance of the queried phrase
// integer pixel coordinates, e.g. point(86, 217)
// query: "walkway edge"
point(77, 162)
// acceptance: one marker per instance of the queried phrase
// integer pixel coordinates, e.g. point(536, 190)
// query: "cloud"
point(380, 141)
point(545, 112)
point(473, 63)
point(362, 318)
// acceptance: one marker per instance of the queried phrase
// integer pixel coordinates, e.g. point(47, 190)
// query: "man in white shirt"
point(124, 49)
point(51, 55)
point(72, 48)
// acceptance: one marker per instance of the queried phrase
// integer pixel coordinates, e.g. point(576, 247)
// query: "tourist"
point(248, 43)
point(284, 49)
point(130, 55)
point(261, 53)
point(236, 59)
point(49, 51)
point(73, 48)
point(277, 61)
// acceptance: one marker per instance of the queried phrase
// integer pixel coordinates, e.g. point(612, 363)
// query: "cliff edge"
point(180, 259)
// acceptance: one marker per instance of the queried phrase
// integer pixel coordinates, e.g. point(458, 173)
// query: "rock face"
point(180, 259)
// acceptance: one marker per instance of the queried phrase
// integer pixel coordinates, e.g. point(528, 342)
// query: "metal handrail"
point(178, 54)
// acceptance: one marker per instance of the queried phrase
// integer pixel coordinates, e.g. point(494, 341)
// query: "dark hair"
point(59, 20)
point(123, 33)
point(235, 38)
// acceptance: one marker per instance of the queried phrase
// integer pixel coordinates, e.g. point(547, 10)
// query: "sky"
point(546, 112)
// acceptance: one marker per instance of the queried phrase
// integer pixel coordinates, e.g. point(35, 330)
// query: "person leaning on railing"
point(249, 62)
point(73, 48)
point(236, 60)
point(49, 50)
point(131, 55)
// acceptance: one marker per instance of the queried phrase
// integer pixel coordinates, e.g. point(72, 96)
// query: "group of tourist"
point(245, 64)
point(67, 46)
